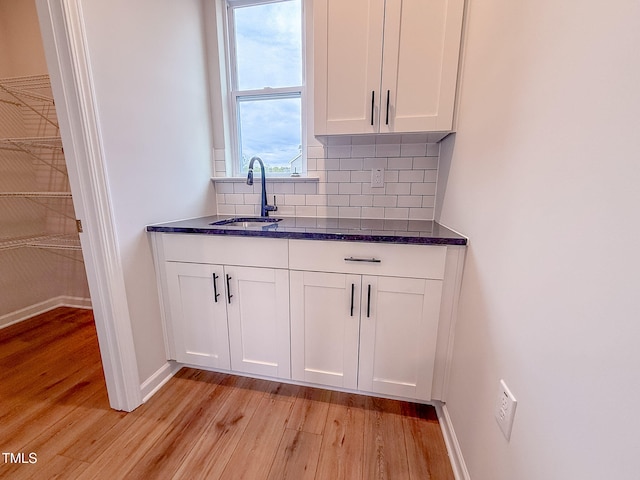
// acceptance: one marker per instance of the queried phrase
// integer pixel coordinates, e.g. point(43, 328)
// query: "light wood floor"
point(53, 402)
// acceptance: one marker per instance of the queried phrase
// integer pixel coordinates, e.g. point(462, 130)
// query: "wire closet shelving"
point(33, 169)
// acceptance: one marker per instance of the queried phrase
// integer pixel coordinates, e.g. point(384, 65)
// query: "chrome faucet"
point(265, 208)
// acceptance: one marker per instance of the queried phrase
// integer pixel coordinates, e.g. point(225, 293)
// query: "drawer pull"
point(368, 301)
point(368, 260)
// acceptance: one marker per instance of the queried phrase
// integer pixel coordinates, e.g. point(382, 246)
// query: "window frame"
point(267, 93)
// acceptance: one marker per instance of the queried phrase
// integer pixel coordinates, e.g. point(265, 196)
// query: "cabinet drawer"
point(242, 251)
point(416, 261)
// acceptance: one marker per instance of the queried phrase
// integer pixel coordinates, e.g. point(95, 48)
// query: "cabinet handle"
point(215, 288)
point(353, 291)
point(229, 289)
point(368, 300)
point(387, 120)
point(369, 260)
point(373, 95)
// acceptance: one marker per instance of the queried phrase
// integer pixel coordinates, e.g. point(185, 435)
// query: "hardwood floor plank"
point(181, 435)
point(209, 455)
point(342, 450)
point(297, 456)
point(310, 410)
point(385, 453)
point(135, 435)
point(426, 451)
point(259, 442)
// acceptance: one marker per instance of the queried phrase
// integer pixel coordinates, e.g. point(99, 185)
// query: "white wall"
point(148, 64)
point(545, 180)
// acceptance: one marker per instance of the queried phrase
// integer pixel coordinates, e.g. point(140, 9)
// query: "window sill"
point(269, 179)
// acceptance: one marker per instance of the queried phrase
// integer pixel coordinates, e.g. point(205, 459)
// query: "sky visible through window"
point(269, 55)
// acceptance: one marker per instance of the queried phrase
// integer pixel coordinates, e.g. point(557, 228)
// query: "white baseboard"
point(42, 307)
point(460, 471)
point(152, 384)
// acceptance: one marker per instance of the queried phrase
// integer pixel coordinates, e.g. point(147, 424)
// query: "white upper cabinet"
point(383, 66)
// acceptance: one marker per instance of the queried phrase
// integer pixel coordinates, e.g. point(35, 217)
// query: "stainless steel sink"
point(247, 222)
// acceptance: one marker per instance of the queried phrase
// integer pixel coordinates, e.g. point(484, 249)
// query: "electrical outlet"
point(377, 177)
point(505, 409)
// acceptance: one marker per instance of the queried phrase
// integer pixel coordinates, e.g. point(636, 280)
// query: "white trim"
point(38, 308)
point(460, 471)
point(65, 43)
point(155, 382)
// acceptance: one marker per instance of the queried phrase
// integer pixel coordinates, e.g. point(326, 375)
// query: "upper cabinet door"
point(420, 64)
point(384, 66)
point(347, 65)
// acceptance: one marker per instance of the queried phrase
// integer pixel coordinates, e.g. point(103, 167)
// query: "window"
point(266, 76)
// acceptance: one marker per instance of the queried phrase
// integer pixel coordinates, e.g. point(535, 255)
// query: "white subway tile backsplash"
point(327, 212)
point(391, 176)
point(425, 163)
point(396, 213)
point(430, 176)
point(398, 188)
point(315, 152)
point(349, 188)
point(411, 176)
point(242, 188)
point(421, 213)
point(361, 200)
point(351, 164)
point(409, 201)
point(349, 212)
point(307, 188)
point(385, 150)
point(338, 200)
point(372, 212)
point(231, 198)
point(343, 169)
point(224, 209)
point(385, 201)
point(306, 211)
point(413, 150)
point(400, 163)
point(224, 188)
point(363, 151)
point(316, 199)
point(341, 151)
point(362, 176)
point(429, 201)
point(281, 187)
point(295, 200)
point(247, 210)
point(422, 188)
point(370, 163)
point(336, 176)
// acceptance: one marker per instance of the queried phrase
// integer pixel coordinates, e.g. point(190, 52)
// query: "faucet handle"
point(271, 208)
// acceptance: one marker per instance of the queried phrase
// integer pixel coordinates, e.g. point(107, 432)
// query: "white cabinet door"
point(383, 66)
point(198, 318)
point(347, 62)
point(398, 334)
point(421, 50)
point(325, 318)
point(258, 310)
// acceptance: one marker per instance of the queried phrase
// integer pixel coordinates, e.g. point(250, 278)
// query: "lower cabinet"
point(371, 333)
point(371, 317)
point(230, 317)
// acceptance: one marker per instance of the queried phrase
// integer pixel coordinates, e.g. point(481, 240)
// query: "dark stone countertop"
point(420, 232)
